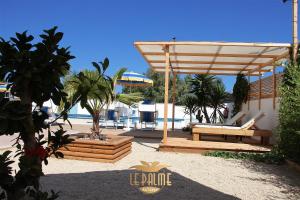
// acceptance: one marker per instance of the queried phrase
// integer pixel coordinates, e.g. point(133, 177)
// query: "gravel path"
point(193, 177)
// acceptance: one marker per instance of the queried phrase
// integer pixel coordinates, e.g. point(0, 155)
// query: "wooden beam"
point(204, 43)
point(274, 87)
point(197, 72)
point(259, 94)
point(173, 93)
point(212, 54)
point(142, 53)
point(173, 101)
point(206, 62)
point(167, 68)
point(272, 62)
point(295, 30)
point(206, 68)
point(215, 58)
point(254, 59)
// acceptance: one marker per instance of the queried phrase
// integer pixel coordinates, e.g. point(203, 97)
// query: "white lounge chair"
point(248, 129)
point(230, 122)
point(238, 116)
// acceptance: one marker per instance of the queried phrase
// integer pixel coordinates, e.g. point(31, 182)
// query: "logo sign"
point(150, 177)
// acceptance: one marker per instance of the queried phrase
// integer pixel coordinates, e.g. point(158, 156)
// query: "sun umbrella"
point(135, 80)
point(3, 88)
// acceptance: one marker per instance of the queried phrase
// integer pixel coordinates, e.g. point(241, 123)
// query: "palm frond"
point(129, 99)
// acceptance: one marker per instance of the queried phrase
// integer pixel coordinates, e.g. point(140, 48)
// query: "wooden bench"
point(248, 129)
point(234, 131)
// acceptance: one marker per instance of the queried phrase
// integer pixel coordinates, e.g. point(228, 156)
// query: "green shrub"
point(240, 93)
point(34, 71)
point(289, 113)
point(273, 157)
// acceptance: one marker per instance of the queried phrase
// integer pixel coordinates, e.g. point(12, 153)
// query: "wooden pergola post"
point(173, 100)
point(259, 93)
point(167, 68)
point(274, 87)
point(295, 30)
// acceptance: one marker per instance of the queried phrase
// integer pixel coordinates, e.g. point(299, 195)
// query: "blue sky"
point(96, 28)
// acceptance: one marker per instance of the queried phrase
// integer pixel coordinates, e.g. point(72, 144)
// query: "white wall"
point(270, 120)
point(179, 112)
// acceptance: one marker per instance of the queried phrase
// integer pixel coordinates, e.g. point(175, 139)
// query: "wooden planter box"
point(110, 150)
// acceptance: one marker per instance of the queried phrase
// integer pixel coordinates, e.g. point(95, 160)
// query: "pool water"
point(134, 119)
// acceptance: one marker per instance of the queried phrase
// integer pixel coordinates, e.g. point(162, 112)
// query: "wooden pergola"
point(215, 58)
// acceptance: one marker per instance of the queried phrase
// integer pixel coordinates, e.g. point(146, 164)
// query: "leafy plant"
point(97, 90)
point(155, 92)
point(289, 113)
point(94, 88)
point(210, 92)
point(273, 157)
point(129, 99)
point(240, 93)
point(7, 178)
point(217, 99)
point(201, 86)
point(190, 102)
point(33, 73)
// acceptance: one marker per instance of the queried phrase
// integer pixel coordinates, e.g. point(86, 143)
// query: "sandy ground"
point(193, 177)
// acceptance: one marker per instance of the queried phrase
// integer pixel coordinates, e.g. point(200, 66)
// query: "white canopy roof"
point(218, 58)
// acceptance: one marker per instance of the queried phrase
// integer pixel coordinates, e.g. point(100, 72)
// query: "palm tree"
point(201, 86)
point(96, 90)
point(190, 102)
point(217, 99)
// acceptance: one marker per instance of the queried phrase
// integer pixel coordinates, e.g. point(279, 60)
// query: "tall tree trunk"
point(96, 120)
point(30, 147)
point(28, 136)
point(206, 114)
point(214, 116)
point(30, 143)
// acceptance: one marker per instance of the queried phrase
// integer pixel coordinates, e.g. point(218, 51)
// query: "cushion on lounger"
point(220, 127)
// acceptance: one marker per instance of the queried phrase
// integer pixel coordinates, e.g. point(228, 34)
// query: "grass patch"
point(273, 157)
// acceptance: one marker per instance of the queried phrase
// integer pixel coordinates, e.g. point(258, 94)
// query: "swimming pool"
point(134, 119)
